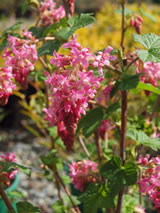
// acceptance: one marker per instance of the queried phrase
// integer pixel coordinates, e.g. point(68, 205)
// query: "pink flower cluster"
point(150, 181)
point(49, 14)
point(72, 85)
point(103, 58)
point(6, 84)
point(8, 176)
point(136, 22)
point(82, 173)
point(150, 70)
point(20, 56)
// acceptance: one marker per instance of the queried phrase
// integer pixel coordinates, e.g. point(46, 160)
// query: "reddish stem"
point(6, 200)
point(122, 143)
point(67, 192)
point(98, 145)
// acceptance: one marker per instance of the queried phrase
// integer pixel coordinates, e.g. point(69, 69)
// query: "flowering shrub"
point(83, 108)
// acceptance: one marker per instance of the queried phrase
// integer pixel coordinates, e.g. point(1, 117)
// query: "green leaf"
point(148, 87)
point(58, 207)
point(26, 207)
point(37, 31)
point(130, 170)
point(126, 11)
point(152, 18)
point(49, 47)
point(152, 43)
point(3, 44)
point(75, 23)
point(14, 27)
point(96, 197)
point(8, 166)
point(129, 203)
point(112, 108)
point(51, 159)
point(129, 82)
point(25, 7)
point(110, 167)
point(141, 138)
point(90, 122)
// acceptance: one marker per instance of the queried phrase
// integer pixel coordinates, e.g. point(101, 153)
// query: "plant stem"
point(132, 62)
point(44, 64)
point(122, 143)
point(84, 147)
point(67, 191)
point(155, 107)
point(98, 145)
point(6, 200)
point(123, 125)
point(123, 114)
point(123, 24)
point(66, 9)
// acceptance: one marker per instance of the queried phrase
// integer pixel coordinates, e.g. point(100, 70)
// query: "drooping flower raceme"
point(6, 84)
point(150, 72)
point(82, 173)
point(150, 181)
point(72, 85)
point(21, 56)
point(49, 14)
point(7, 177)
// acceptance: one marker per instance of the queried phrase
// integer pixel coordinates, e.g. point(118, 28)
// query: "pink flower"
point(71, 86)
point(136, 22)
point(49, 14)
point(21, 56)
point(143, 161)
point(8, 157)
point(103, 58)
point(6, 84)
point(150, 72)
point(82, 173)
point(150, 181)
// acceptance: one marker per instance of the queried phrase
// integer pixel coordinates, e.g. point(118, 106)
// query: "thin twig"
point(6, 200)
point(98, 145)
point(132, 62)
point(67, 192)
point(44, 63)
point(84, 147)
point(111, 68)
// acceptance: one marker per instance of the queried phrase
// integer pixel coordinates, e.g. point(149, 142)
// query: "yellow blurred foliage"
point(107, 28)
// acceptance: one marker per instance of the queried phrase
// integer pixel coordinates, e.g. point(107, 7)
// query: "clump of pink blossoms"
point(21, 56)
point(7, 177)
point(150, 181)
point(49, 14)
point(6, 84)
point(150, 70)
point(72, 85)
point(82, 173)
